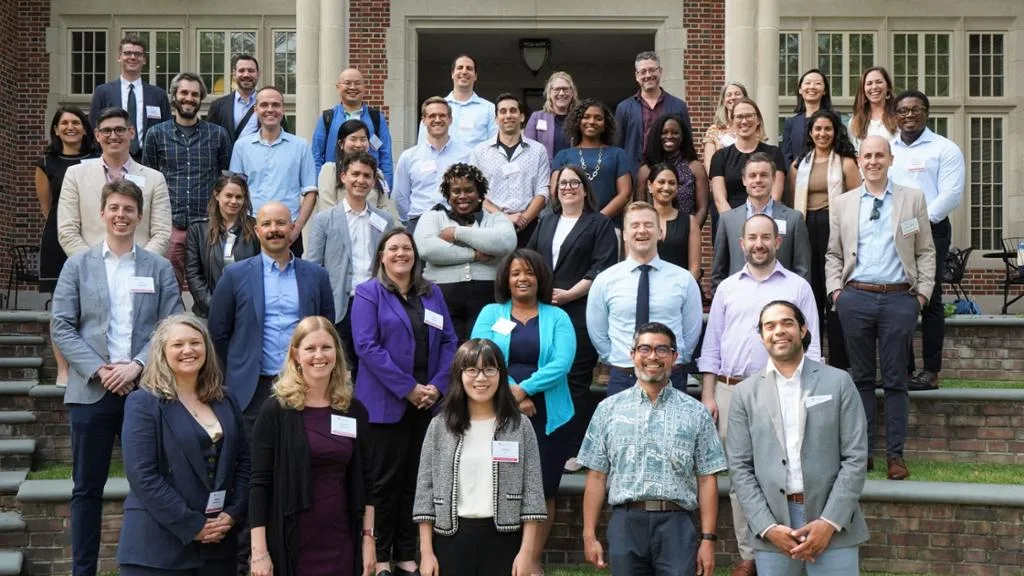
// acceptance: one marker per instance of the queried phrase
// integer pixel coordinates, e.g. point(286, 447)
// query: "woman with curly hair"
point(720, 134)
point(874, 111)
point(462, 245)
point(590, 128)
point(670, 141)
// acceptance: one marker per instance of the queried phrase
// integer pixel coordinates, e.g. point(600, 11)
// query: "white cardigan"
point(448, 263)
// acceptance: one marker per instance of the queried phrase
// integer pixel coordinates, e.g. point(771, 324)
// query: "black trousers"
point(523, 236)
point(933, 315)
point(395, 459)
point(477, 549)
point(828, 320)
point(296, 247)
point(218, 567)
point(249, 415)
point(345, 332)
point(581, 376)
point(465, 300)
point(652, 543)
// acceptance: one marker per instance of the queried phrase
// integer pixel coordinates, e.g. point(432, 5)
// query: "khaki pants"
point(723, 396)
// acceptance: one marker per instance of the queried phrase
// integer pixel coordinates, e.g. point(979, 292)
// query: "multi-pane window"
point(986, 181)
point(922, 62)
point(215, 50)
point(789, 62)
point(163, 60)
point(842, 56)
point(939, 125)
point(284, 60)
point(985, 59)
point(88, 60)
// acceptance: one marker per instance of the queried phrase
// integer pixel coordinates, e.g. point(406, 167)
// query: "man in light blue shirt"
point(473, 118)
point(616, 305)
point(420, 168)
point(278, 165)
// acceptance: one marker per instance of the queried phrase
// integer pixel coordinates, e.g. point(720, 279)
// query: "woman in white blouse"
point(873, 110)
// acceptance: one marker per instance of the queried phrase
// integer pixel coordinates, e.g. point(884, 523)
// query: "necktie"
point(133, 115)
point(643, 297)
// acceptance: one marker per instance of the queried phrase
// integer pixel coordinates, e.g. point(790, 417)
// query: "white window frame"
point(228, 55)
point(839, 89)
point(279, 79)
point(921, 78)
point(967, 65)
point(787, 85)
point(151, 52)
point(103, 56)
point(999, 218)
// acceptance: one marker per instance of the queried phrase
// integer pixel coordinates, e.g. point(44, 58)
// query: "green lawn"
point(63, 471)
point(957, 383)
point(978, 473)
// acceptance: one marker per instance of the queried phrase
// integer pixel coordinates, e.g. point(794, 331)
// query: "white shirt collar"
point(349, 210)
point(107, 251)
point(137, 82)
point(771, 369)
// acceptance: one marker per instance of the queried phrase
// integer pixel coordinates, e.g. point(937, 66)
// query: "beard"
point(185, 114)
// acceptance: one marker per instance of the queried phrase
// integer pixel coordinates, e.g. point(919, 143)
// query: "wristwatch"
point(709, 536)
point(370, 532)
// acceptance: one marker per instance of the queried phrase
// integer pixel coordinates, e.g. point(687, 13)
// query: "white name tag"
point(343, 426)
point(215, 504)
point(153, 112)
point(909, 227)
point(378, 222)
point(503, 326)
point(428, 167)
point(141, 285)
point(139, 181)
point(504, 451)
point(542, 124)
point(781, 224)
point(434, 319)
point(916, 165)
point(510, 169)
point(376, 142)
point(815, 400)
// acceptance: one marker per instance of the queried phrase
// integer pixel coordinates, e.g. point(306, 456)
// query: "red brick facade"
point(367, 47)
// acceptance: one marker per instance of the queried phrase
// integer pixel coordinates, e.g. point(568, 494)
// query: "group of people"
point(391, 360)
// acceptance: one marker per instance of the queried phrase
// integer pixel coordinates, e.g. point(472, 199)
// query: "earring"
point(298, 368)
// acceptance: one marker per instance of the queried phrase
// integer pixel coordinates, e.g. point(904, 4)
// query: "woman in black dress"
point(71, 141)
point(680, 233)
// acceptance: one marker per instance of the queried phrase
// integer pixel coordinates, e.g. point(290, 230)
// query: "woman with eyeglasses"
point(874, 113)
point(813, 94)
point(670, 141)
point(353, 136)
point(547, 126)
point(479, 495)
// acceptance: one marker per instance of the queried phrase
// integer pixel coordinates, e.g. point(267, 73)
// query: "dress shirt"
point(120, 271)
point(562, 230)
point(767, 209)
point(732, 345)
point(473, 121)
point(116, 174)
point(191, 165)
point(241, 107)
point(877, 259)
point(611, 309)
point(280, 313)
point(934, 165)
point(512, 183)
point(652, 451)
point(789, 403)
point(280, 171)
point(362, 252)
point(418, 176)
point(140, 108)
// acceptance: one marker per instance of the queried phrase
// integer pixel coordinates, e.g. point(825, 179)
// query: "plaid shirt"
point(190, 165)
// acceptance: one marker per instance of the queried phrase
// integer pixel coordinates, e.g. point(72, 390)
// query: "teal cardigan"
point(557, 351)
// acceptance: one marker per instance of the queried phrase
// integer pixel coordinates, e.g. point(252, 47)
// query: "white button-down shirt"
point(934, 165)
point(140, 109)
point(513, 183)
point(359, 235)
point(789, 401)
point(120, 271)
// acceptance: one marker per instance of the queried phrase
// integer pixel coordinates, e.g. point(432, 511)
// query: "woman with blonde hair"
point(720, 134)
point(874, 113)
point(187, 460)
point(309, 505)
point(547, 126)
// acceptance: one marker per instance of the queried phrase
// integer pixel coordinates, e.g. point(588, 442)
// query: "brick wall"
point(368, 25)
point(46, 540)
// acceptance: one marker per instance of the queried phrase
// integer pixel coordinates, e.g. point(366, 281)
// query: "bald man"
point(351, 90)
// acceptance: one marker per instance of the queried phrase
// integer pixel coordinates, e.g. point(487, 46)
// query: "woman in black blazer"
point(187, 460)
point(227, 236)
point(812, 94)
point(577, 242)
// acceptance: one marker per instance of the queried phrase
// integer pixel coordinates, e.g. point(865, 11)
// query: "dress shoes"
point(897, 468)
point(924, 380)
point(744, 568)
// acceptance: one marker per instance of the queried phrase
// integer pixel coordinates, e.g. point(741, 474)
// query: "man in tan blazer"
point(879, 272)
point(79, 226)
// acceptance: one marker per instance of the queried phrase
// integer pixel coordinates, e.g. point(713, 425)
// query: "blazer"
point(916, 251)
point(330, 228)
point(833, 453)
point(81, 315)
point(794, 254)
point(384, 342)
point(222, 113)
point(794, 131)
point(629, 123)
point(79, 225)
point(169, 486)
point(109, 96)
point(236, 318)
point(557, 352)
point(204, 264)
point(545, 137)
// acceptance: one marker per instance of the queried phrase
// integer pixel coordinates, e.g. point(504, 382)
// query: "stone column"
point(741, 42)
point(307, 79)
point(767, 87)
point(332, 49)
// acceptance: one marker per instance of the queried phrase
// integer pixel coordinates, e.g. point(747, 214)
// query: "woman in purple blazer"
point(405, 341)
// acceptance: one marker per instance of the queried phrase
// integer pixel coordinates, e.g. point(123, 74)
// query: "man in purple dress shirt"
point(732, 348)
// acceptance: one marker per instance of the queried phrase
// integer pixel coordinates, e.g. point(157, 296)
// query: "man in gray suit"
point(808, 417)
point(795, 251)
point(106, 305)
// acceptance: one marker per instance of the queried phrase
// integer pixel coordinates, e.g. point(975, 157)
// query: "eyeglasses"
point(661, 350)
point(744, 117)
point(876, 210)
point(132, 53)
point(915, 111)
point(646, 71)
point(489, 372)
point(351, 83)
point(239, 175)
point(569, 184)
point(565, 89)
point(119, 130)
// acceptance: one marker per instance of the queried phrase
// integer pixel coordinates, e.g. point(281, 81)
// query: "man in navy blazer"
point(635, 115)
point(149, 102)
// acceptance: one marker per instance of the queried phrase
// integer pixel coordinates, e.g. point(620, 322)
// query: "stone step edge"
point(17, 387)
point(11, 481)
point(961, 394)
point(11, 522)
point(11, 562)
point(17, 417)
point(17, 446)
point(20, 339)
point(21, 362)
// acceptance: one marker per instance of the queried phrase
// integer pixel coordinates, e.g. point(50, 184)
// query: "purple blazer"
point(384, 342)
point(545, 137)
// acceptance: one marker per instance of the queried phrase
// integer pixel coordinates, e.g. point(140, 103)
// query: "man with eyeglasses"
point(635, 115)
point(654, 453)
point(146, 104)
point(879, 272)
point(935, 165)
point(79, 225)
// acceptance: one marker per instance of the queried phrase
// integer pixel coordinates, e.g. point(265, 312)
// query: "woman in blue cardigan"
point(539, 342)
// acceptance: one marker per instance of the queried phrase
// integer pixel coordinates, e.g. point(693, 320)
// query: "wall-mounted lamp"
point(534, 53)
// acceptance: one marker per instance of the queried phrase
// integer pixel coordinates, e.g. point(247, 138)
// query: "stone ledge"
point(17, 417)
point(984, 320)
point(21, 362)
point(11, 522)
point(10, 562)
point(10, 481)
point(51, 391)
point(966, 394)
point(9, 316)
point(60, 490)
point(17, 387)
point(19, 340)
point(18, 446)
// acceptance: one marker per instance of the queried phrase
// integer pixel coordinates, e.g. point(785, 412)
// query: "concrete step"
point(17, 387)
point(29, 362)
point(10, 562)
point(21, 340)
point(16, 453)
point(16, 417)
point(11, 480)
point(11, 522)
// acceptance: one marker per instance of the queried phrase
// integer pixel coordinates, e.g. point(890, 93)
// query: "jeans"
point(831, 562)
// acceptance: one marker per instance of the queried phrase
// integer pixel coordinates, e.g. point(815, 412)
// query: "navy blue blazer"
point(236, 318)
point(794, 130)
point(109, 96)
point(629, 124)
point(169, 485)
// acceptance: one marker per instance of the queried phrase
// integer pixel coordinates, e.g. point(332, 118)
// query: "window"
point(164, 55)
point(842, 56)
point(789, 62)
point(922, 62)
point(985, 65)
point(88, 60)
point(216, 48)
point(939, 125)
point(986, 181)
point(284, 60)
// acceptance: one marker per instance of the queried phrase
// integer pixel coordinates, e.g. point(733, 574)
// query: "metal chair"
point(24, 269)
point(1013, 259)
point(953, 271)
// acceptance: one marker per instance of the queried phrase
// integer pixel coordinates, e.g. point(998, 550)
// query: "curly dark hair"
point(655, 153)
point(841, 144)
point(467, 171)
point(574, 134)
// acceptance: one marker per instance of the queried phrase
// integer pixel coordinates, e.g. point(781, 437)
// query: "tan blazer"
point(79, 226)
point(916, 251)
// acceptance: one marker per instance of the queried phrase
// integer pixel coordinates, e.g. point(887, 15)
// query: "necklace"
point(583, 163)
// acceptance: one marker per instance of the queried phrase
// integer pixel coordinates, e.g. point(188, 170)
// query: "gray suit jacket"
point(329, 245)
point(81, 314)
point(833, 455)
point(794, 254)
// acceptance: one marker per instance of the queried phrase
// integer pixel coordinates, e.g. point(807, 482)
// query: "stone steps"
point(11, 562)
point(16, 453)
point(12, 532)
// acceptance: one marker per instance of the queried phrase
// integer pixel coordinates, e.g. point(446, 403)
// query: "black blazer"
point(109, 96)
point(204, 264)
point(794, 130)
point(282, 486)
point(222, 113)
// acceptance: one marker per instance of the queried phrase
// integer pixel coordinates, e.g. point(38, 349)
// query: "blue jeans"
point(831, 562)
point(652, 543)
point(621, 380)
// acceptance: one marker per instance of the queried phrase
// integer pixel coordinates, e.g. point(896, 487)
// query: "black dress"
point(675, 248)
point(51, 255)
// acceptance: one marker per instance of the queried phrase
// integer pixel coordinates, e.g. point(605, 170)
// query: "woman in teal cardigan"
point(539, 342)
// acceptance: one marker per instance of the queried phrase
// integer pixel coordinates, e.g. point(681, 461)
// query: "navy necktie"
point(643, 296)
point(133, 115)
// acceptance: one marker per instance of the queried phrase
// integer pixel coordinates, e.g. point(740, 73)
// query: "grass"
point(990, 384)
point(971, 472)
point(63, 471)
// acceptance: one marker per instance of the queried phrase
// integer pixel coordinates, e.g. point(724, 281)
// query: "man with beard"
point(191, 153)
point(236, 111)
point(732, 351)
point(635, 115)
point(654, 452)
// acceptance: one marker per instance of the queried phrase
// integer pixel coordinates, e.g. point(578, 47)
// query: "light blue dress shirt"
point(280, 313)
point(418, 176)
point(473, 121)
point(280, 171)
point(767, 209)
point(675, 301)
point(934, 165)
point(877, 259)
point(241, 106)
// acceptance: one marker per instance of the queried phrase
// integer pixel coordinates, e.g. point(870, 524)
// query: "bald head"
point(874, 160)
point(350, 88)
point(874, 142)
point(274, 229)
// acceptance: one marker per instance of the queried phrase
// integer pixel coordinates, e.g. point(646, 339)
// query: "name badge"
point(542, 124)
point(503, 326)
point(504, 451)
point(343, 426)
point(428, 167)
point(215, 504)
point(141, 285)
point(376, 142)
point(434, 319)
point(909, 227)
point(153, 112)
point(916, 165)
point(465, 123)
point(510, 169)
point(378, 222)
point(781, 224)
point(139, 181)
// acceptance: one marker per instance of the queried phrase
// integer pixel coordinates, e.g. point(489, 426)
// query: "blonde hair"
point(159, 379)
point(761, 135)
point(640, 206)
point(290, 389)
point(547, 91)
point(723, 117)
